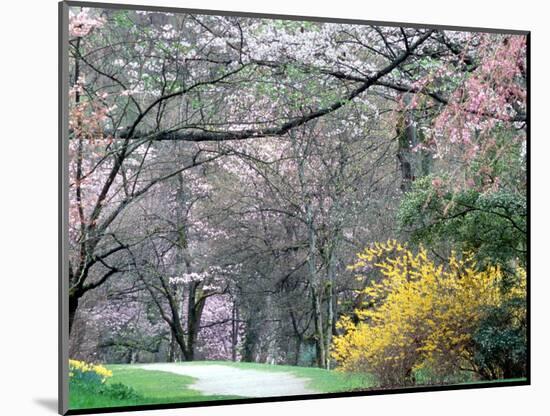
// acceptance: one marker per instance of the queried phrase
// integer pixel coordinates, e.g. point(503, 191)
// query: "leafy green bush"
point(85, 378)
point(490, 224)
point(120, 391)
point(500, 343)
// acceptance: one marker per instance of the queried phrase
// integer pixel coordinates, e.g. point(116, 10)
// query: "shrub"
point(490, 224)
point(91, 379)
point(500, 342)
point(81, 372)
point(418, 316)
point(120, 391)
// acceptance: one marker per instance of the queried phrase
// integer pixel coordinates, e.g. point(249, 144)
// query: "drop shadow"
point(49, 404)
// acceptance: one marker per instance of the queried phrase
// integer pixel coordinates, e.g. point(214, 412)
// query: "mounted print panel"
point(262, 208)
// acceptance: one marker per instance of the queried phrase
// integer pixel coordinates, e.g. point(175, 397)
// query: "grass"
point(153, 387)
point(158, 387)
point(502, 380)
point(425, 377)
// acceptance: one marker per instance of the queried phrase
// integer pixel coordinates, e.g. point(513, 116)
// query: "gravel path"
point(225, 380)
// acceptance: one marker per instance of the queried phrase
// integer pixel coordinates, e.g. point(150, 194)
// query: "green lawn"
point(504, 380)
point(156, 387)
point(426, 378)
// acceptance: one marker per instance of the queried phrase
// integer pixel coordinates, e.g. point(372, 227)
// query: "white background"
point(28, 206)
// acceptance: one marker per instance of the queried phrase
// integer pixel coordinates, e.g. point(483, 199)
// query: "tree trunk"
point(330, 318)
point(172, 353)
point(316, 290)
point(319, 330)
point(298, 338)
point(298, 350)
point(73, 306)
point(234, 332)
point(406, 139)
point(181, 342)
point(194, 315)
point(250, 341)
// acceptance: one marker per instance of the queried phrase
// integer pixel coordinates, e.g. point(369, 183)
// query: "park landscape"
point(265, 207)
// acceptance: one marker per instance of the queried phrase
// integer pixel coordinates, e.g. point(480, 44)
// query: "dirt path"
point(226, 380)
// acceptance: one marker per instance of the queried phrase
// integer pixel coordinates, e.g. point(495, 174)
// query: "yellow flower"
point(83, 367)
point(418, 312)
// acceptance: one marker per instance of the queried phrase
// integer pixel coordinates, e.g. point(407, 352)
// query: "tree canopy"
point(225, 170)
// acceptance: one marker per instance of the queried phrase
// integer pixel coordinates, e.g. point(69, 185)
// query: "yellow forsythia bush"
point(416, 315)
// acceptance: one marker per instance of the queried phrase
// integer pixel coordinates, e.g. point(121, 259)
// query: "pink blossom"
point(83, 23)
